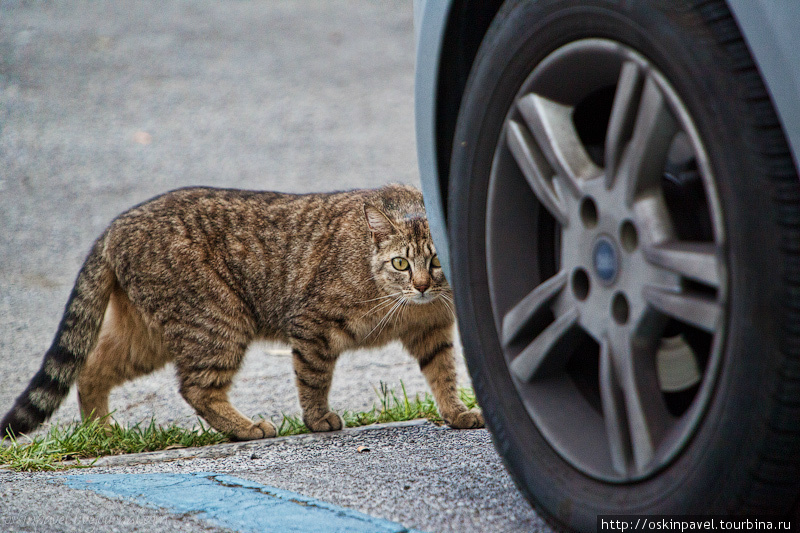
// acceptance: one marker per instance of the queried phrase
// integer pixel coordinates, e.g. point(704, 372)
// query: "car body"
point(534, 116)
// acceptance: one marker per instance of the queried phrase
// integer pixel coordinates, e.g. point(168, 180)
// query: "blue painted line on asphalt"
point(233, 503)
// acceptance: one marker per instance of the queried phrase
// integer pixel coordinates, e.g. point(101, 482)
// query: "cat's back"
point(194, 237)
point(220, 212)
point(207, 213)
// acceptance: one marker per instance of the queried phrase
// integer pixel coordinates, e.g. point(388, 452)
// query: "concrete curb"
point(228, 449)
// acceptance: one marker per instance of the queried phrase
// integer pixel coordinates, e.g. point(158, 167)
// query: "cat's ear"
point(379, 224)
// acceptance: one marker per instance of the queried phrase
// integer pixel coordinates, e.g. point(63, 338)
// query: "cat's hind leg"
point(210, 400)
point(206, 363)
point(128, 347)
point(209, 396)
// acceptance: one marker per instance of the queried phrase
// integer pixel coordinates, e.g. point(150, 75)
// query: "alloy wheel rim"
point(605, 260)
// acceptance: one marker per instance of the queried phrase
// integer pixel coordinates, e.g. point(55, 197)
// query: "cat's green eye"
point(400, 263)
point(435, 262)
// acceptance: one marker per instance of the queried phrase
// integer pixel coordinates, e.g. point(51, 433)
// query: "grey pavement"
point(106, 104)
point(422, 476)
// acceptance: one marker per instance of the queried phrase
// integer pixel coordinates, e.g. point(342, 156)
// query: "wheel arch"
point(456, 29)
point(769, 28)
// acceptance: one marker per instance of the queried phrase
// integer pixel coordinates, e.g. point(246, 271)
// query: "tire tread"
point(775, 472)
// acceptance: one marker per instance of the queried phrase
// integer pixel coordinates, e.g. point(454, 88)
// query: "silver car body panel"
point(430, 23)
point(771, 28)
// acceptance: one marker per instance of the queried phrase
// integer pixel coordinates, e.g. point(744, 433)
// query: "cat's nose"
point(421, 287)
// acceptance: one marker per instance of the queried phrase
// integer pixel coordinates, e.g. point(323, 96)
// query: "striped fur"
point(195, 275)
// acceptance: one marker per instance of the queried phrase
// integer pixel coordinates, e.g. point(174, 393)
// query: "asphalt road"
point(420, 476)
point(103, 105)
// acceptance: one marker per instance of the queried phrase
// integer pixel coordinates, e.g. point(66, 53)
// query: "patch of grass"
point(90, 439)
point(394, 408)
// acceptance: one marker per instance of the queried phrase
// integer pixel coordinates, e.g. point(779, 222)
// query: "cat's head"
point(404, 257)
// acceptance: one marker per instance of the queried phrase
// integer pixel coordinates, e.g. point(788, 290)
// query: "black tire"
point(741, 452)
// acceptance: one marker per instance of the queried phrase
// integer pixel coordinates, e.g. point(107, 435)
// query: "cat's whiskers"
point(400, 311)
point(383, 322)
point(381, 305)
point(391, 312)
point(448, 303)
point(395, 294)
point(383, 318)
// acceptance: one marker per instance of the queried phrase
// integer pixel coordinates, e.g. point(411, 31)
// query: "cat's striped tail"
point(76, 337)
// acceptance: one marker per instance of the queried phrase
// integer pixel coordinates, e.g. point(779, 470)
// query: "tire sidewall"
point(677, 41)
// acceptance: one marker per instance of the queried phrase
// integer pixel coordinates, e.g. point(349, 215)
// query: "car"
point(612, 187)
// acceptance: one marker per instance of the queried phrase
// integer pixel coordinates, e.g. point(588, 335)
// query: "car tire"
point(624, 216)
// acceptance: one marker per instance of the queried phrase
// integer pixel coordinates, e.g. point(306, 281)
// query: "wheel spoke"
point(522, 314)
point(550, 350)
point(536, 170)
point(696, 261)
point(552, 127)
point(699, 311)
point(623, 116)
point(642, 437)
point(613, 402)
point(645, 413)
point(643, 161)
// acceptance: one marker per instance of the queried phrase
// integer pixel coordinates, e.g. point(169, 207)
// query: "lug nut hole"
point(628, 236)
point(580, 284)
point(620, 309)
point(589, 213)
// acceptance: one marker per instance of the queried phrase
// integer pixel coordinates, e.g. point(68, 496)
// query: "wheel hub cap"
point(606, 261)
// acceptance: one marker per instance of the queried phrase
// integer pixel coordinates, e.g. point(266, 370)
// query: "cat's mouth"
point(422, 297)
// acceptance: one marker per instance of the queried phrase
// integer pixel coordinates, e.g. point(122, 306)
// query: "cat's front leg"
point(433, 349)
point(313, 369)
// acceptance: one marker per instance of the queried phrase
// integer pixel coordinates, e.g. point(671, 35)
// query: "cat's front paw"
point(330, 421)
point(471, 419)
point(263, 429)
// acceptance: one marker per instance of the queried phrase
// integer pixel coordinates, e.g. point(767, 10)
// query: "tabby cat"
point(197, 274)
